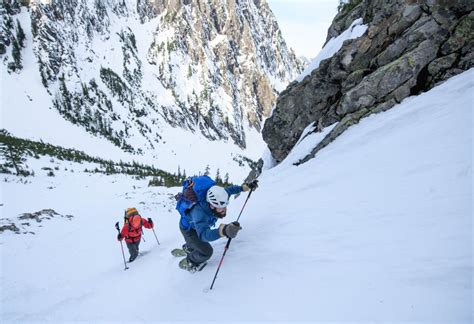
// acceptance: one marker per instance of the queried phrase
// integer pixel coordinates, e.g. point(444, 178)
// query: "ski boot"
point(181, 252)
point(187, 265)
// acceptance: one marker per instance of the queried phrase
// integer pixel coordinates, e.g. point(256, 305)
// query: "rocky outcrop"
point(409, 47)
point(27, 222)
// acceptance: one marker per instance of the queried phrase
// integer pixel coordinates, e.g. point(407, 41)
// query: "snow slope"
point(376, 228)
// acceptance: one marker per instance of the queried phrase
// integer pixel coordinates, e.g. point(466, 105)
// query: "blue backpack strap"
point(184, 224)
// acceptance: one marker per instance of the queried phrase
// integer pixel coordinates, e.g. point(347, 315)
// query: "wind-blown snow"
point(377, 227)
point(356, 29)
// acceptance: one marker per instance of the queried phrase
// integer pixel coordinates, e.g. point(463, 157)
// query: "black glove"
point(231, 230)
point(253, 185)
point(250, 186)
point(119, 237)
point(150, 221)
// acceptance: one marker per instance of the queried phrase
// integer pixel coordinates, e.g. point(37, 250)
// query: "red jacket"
point(133, 233)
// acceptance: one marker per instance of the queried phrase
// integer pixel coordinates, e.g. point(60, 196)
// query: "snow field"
point(376, 228)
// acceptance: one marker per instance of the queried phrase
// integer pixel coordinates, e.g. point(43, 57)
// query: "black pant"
point(199, 251)
point(133, 249)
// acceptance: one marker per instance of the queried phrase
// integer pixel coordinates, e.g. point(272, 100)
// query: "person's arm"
point(123, 233)
point(233, 190)
point(201, 224)
point(147, 223)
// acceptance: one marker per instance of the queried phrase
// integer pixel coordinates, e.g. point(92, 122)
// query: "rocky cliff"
point(409, 47)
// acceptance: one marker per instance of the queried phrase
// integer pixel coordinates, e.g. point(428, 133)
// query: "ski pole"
point(155, 236)
point(228, 241)
point(153, 229)
point(121, 244)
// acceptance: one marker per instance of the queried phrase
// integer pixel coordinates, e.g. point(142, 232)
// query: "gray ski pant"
point(133, 249)
point(200, 251)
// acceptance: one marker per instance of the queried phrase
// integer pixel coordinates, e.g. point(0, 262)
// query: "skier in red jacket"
point(132, 231)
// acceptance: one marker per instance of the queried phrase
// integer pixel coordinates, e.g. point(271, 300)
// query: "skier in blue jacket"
point(196, 226)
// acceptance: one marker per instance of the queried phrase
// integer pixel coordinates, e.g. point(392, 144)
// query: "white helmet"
point(217, 197)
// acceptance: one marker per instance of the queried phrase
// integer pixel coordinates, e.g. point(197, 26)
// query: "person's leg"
point(133, 249)
point(199, 251)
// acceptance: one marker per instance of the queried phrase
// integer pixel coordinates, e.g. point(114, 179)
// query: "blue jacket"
point(201, 218)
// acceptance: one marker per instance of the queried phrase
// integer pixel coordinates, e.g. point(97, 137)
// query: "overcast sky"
point(304, 23)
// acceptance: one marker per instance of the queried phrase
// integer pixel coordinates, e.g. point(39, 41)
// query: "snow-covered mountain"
point(376, 228)
point(138, 74)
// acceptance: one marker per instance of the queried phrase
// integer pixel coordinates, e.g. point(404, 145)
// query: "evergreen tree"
point(20, 34)
point(14, 157)
point(207, 171)
point(98, 120)
point(16, 53)
point(190, 72)
point(340, 5)
point(43, 73)
point(226, 179)
point(34, 28)
point(156, 182)
point(218, 178)
point(204, 95)
point(8, 23)
point(67, 97)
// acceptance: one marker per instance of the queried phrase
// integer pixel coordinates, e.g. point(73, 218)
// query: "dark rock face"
point(409, 47)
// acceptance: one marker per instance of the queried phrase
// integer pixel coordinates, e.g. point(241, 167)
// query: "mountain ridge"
point(124, 70)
